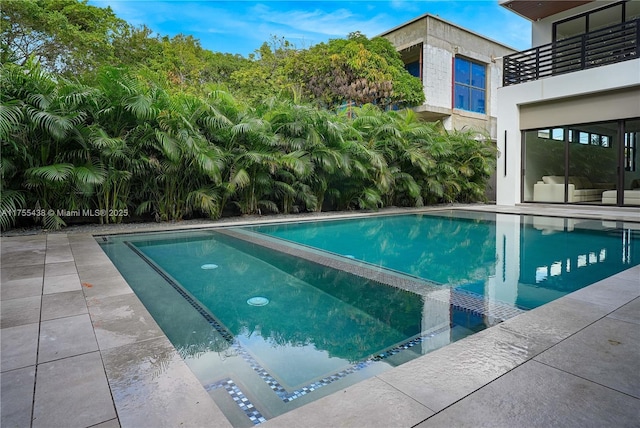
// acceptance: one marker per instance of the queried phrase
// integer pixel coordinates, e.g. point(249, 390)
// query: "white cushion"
point(553, 179)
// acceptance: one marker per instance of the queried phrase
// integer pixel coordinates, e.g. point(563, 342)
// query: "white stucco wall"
point(510, 98)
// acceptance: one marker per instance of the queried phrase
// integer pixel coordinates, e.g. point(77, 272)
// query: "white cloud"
point(334, 23)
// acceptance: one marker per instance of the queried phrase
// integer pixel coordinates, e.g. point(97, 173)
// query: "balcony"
point(605, 46)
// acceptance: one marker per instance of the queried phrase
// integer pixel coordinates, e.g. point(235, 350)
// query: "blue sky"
point(241, 26)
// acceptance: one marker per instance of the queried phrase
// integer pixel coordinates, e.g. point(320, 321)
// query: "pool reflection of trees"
point(348, 316)
point(436, 248)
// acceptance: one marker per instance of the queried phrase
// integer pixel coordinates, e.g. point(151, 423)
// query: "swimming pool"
point(271, 317)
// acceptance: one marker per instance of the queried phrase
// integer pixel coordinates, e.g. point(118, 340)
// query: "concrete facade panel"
point(595, 81)
point(442, 42)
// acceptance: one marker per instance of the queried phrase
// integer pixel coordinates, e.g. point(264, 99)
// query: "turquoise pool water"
point(271, 317)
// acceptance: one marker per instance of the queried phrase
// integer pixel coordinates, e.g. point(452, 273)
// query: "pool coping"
point(129, 341)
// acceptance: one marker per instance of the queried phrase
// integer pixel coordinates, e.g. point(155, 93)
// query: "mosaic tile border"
point(463, 300)
point(275, 386)
point(240, 399)
point(495, 312)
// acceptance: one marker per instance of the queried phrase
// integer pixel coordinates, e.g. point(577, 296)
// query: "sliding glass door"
point(631, 163)
point(594, 163)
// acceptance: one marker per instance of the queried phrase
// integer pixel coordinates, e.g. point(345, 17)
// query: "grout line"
point(533, 358)
point(37, 363)
point(586, 379)
point(99, 350)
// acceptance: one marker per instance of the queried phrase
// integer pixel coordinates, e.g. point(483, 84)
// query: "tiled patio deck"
point(80, 350)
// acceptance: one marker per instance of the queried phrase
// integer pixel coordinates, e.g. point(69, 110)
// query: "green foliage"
point(66, 36)
point(356, 69)
point(163, 138)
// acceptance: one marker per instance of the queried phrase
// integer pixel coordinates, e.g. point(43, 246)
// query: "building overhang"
point(539, 9)
point(430, 113)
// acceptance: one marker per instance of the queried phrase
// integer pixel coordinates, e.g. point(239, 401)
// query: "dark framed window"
point(413, 68)
point(589, 138)
point(611, 14)
point(469, 92)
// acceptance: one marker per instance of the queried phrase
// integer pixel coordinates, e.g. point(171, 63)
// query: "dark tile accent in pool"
point(226, 335)
point(240, 399)
point(275, 386)
point(460, 299)
point(495, 312)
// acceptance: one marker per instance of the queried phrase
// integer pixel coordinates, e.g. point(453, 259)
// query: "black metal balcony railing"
point(605, 46)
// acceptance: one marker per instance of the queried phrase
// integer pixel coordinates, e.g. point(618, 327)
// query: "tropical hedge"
point(127, 148)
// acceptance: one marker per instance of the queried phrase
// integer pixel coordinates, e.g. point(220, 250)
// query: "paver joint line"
point(63, 243)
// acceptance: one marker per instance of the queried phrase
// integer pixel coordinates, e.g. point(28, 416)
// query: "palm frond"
point(52, 173)
point(10, 201)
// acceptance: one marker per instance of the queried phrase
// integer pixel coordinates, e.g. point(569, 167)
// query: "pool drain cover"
point(258, 301)
point(208, 266)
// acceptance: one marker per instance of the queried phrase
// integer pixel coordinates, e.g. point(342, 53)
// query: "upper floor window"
point(596, 19)
point(469, 91)
point(413, 68)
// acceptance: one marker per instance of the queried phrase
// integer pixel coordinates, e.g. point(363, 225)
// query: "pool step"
point(494, 312)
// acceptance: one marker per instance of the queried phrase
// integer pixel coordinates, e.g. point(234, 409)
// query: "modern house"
point(460, 71)
point(569, 108)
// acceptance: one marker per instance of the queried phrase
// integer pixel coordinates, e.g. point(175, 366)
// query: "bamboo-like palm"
point(125, 111)
point(301, 137)
point(187, 169)
point(130, 144)
point(42, 141)
point(475, 161)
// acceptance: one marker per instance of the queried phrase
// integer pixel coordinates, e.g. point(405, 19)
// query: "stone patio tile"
point(81, 239)
point(59, 305)
point(632, 274)
point(59, 255)
point(120, 320)
point(21, 243)
point(61, 283)
point(60, 246)
point(535, 395)
point(57, 238)
point(610, 293)
point(90, 257)
point(448, 374)
point(106, 287)
point(629, 312)
point(97, 272)
point(152, 386)
point(17, 397)
point(606, 352)
point(8, 273)
point(86, 399)
point(14, 312)
point(19, 346)
point(84, 248)
point(66, 337)
point(23, 258)
point(555, 321)
point(17, 288)
point(57, 269)
point(370, 403)
point(113, 423)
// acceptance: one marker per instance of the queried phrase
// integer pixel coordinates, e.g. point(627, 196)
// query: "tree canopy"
point(357, 70)
point(99, 116)
point(66, 36)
